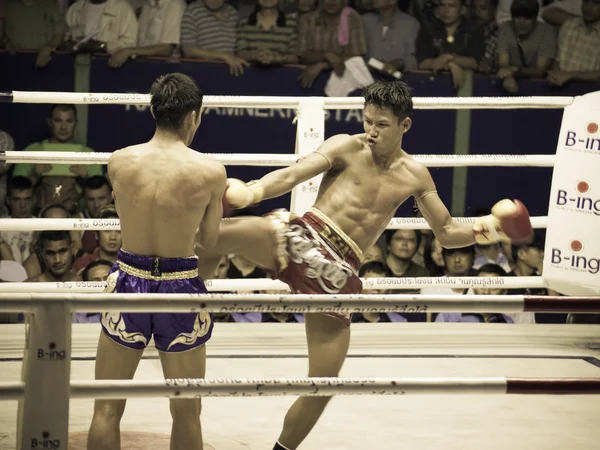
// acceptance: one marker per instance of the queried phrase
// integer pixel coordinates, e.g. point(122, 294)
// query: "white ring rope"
point(273, 160)
point(295, 303)
point(36, 224)
point(265, 284)
point(315, 386)
point(272, 102)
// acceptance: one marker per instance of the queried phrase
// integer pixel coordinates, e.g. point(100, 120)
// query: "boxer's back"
point(161, 195)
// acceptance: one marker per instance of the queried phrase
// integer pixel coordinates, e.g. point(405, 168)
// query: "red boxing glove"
point(509, 221)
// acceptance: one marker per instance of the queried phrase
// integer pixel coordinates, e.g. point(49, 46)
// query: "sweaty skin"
point(171, 198)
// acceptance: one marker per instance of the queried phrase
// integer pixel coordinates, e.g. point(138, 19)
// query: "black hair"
point(389, 234)
point(19, 184)
point(53, 236)
point(538, 242)
point(95, 182)
point(470, 250)
point(47, 208)
point(93, 264)
point(253, 18)
point(374, 266)
point(173, 97)
point(393, 95)
point(524, 8)
point(492, 268)
point(63, 107)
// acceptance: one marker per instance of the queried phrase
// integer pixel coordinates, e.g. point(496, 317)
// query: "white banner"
point(572, 252)
point(310, 134)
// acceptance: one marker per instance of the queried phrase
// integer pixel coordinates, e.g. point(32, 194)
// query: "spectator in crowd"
point(433, 259)
point(101, 26)
point(97, 194)
point(558, 12)
point(159, 31)
point(303, 7)
point(267, 36)
point(503, 13)
point(327, 37)
point(34, 264)
point(7, 144)
point(95, 271)
point(20, 201)
point(33, 25)
point(208, 32)
point(58, 183)
point(578, 56)
point(528, 258)
point(485, 16)
point(486, 270)
point(109, 243)
point(402, 245)
point(526, 48)
point(451, 43)
point(57, 253)
point(375, 253)
point(376, 269)
point(391, 36)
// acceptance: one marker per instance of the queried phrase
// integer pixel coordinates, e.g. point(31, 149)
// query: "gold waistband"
point(147, 275)
point(355, 248)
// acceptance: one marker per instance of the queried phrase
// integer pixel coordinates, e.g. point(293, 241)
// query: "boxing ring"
point(558, 364)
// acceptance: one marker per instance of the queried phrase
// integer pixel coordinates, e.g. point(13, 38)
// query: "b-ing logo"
point(310, 134)
point(582, 143)
point(51, 354)
point(574, 258)
point(577, 200)
point(45, 442)
point(310, 187)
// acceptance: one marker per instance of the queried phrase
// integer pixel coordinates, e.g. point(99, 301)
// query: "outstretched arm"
point(282, 181)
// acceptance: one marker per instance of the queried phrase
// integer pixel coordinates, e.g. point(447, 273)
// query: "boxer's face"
point(98, 273)
point(96, 199)
point(383, 129)
point(489, 290)
point(458, 263)
point(403, 244)
point(109, 240)
point(58, 256)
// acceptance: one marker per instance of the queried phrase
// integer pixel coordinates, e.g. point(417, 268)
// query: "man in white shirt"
point(159, 31)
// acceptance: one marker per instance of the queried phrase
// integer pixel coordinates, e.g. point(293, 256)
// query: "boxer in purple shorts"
point(169, 200)
point(173, 332)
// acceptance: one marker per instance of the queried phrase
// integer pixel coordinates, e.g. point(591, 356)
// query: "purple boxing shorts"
point(173, 332)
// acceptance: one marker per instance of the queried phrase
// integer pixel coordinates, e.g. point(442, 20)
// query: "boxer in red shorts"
point(366, 178)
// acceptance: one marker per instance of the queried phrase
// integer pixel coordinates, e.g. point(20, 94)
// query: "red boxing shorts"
point(314, 256)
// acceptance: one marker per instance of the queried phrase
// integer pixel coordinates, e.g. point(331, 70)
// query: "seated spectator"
point(20, 202)
point(451, 43)
point(101, 26)
point(327, 37)
point(97, 193)
point(33, 25)
point(391, 36)
point(159, 31)
point(433, 259)
point(402, 245)
point(578, 56)
point(303, 7)
point(503, 11)
point(57, 252)
point(95, 271)
point(485, 271)
point(58, 183)
point(208, 32)
point(485, 16)
point(267, 36)
point(109, 243)
point(7, 144)
point(375, 253)
point(558, 12)
point(34, 264)
point(526, 48)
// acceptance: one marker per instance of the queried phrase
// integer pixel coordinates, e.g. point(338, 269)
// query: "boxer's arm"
point(208, 231)
point(449, 232)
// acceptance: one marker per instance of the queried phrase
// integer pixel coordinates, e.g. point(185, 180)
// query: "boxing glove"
point(240, 195)
point(509, 221)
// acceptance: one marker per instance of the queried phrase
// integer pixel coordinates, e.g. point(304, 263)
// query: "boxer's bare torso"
point(166, 194)
point(362, 190)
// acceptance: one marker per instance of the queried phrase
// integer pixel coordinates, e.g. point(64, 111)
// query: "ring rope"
point(266, 284)
point(315, 387)
point(297, 303)
point(37, 224)
point(271, 102)
point(274, 160)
